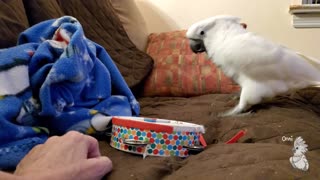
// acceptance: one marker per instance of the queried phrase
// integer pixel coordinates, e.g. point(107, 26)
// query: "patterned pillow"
point(178, 71)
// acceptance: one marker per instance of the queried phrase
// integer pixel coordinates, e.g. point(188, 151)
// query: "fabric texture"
point(180, 72)
point(101, 25)
point(12, 153)
point(132, 21)
point(13, 21)
point(57, 80)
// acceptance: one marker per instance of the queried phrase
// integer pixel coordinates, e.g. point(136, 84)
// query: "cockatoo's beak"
point(294, 150)
point(197, 45)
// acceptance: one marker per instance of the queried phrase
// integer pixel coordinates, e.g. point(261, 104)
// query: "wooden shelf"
point(306, 8)
point(305, 16)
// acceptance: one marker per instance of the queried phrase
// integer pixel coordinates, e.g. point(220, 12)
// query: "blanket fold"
point(56, 80)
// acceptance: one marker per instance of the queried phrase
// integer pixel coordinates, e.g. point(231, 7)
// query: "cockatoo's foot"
point(239, 110)
point(235, 97)
point(229, 113)
point(233, 100)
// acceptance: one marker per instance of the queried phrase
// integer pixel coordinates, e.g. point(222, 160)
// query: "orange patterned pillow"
point(178, 71)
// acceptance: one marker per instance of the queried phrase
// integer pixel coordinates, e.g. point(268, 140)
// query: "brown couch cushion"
point(101, 25)
point(246, 161)
point(217, 161)
point(12, 22)
point(40, 10)
point(285, 116)
point(132, 21)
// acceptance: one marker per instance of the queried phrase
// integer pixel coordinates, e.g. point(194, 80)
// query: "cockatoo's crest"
point(195, 30)
point(299, 142)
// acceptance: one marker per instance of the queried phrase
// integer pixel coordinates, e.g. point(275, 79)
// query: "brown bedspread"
point(260, 154)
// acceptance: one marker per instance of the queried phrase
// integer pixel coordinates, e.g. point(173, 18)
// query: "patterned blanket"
point(56, 80)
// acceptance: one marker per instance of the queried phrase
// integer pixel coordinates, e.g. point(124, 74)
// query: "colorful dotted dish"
point(155, 141)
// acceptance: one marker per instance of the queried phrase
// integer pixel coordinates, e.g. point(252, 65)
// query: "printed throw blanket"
point(56, 80)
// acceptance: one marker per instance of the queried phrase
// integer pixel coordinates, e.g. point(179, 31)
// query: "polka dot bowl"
point(154, 137)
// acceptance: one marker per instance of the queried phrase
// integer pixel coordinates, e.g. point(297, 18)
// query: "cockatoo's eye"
point(297, 147)
point(202, 33)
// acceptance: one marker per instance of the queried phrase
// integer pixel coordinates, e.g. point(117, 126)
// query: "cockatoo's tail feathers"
point(313, 61)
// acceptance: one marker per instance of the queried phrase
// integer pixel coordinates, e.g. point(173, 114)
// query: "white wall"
point(269, 18)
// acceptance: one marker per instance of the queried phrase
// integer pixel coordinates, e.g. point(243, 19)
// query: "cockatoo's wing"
point(292, 162)
point(263, 60)
point(306, 167)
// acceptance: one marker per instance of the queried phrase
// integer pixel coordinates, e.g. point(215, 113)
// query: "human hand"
point(71, 156)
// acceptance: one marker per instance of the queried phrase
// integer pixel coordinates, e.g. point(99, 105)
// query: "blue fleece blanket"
point(56, 80)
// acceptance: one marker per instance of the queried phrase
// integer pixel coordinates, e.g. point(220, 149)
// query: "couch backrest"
point(13, 20)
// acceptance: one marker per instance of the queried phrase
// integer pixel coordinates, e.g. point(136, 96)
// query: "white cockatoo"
point(262, 68)
point(299, 160)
